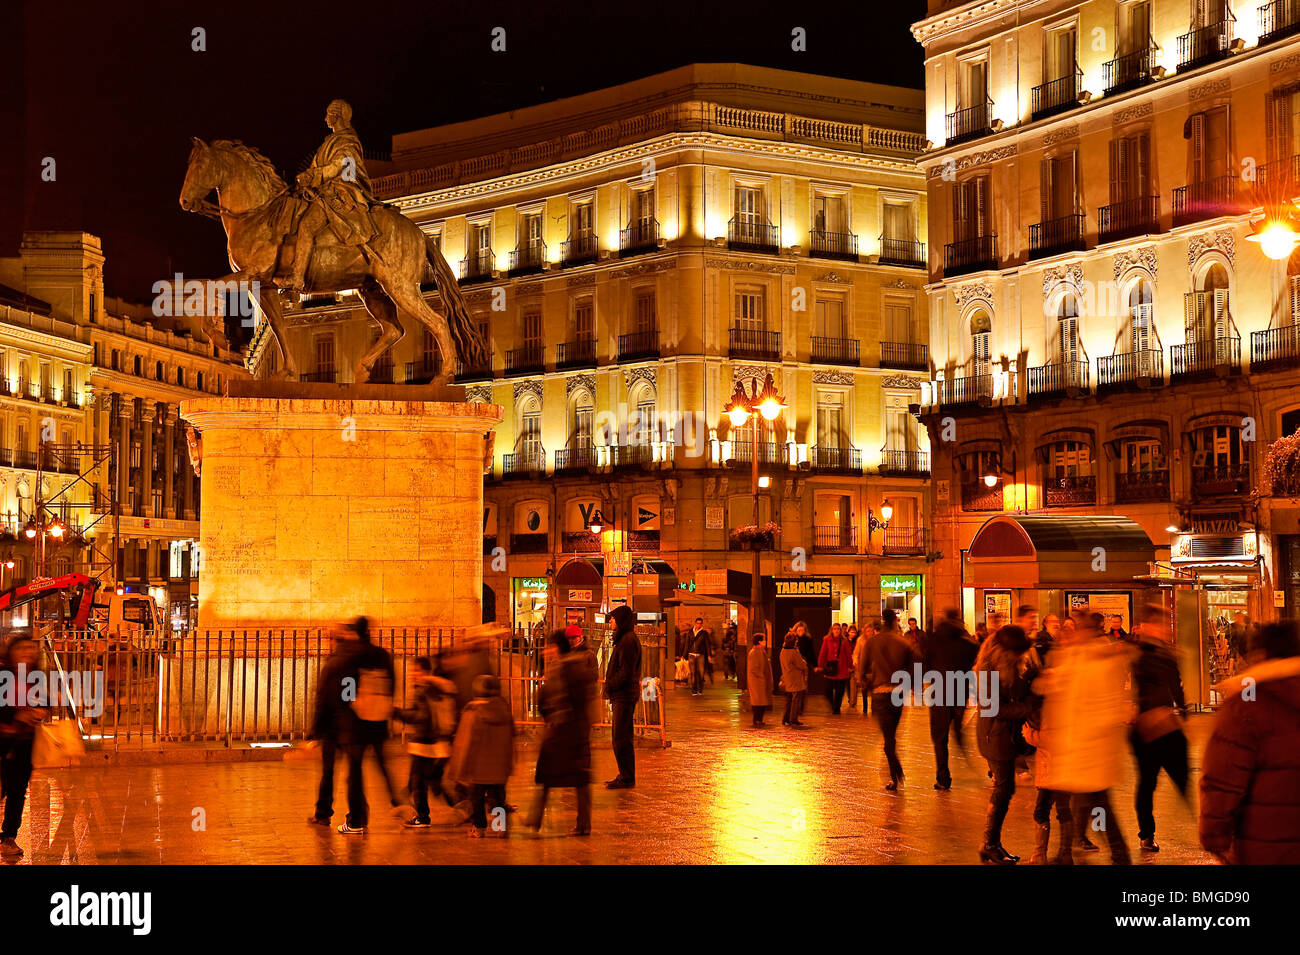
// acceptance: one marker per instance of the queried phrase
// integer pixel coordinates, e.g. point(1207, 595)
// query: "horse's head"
point(202, 175)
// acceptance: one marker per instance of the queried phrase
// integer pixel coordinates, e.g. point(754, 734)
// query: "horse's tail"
point(470, 347)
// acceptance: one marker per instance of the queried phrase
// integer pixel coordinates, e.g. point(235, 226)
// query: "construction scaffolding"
point(61, 519)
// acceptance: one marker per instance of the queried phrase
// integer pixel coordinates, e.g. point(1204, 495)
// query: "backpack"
point(374, 702)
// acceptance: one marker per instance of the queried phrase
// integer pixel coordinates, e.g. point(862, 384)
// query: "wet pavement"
point(722, 793)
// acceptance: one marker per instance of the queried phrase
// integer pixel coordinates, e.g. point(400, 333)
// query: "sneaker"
point(350, 831)
point(415, 822)
point(9, 847)
point(1149, 845)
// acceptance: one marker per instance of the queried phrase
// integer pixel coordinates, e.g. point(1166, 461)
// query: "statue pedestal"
point(321, 502)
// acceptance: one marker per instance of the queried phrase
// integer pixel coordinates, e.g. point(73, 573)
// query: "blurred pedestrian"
point(432, 718)
point(564, 759)
point(371, 678)
point(948, 652)
point(869, 630)
point(585, 657)
point(885, 658)
point(1039, 656)
point(1236, 636)
point(729, 651)
point(332, 722)
point(1157, 736)
point(834, 663)
point(760, 679)
point(19, 716)
point(851, 634)
point(1250, 771)
point(623, 690)
point(483, 754)
point(794, 680)
point(804, 642)
point(998, 730)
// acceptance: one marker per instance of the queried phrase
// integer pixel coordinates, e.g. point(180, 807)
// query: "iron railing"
point(1123, 220)
point(970, 255)
point(751, 235)
point(1136, 487)
point(1275, 179)
point(420, 372)
point(833, 245)
point(636, 346)
point(1145, 366)
point(576, 354)
point(1056, 96)
point(1053, 236)
point(478, 265)
point(1217, 480)
point(580, 458)
point(581, 248)
point(906, 252)
point(905, 462)
point(1128, 71)
point(971, 122)
point(639, 455)
point(528, 258)
point(769, 452)
point(912, 355)
point(526, 359)
point(977, 496)
point(475, 372)
point(900, 540)
point(835, 351)
point(1058, 377)
point(968, 390)
point(522, 463)
point(1205, 44)
point(835, 539)
point(640, 236)
point(833, 460)
point(1275, 348)
point(1071, 490)
point(1278, 19)
point(754, 343)
point(328, 374)
point(1204, 357)
point(581, 542)
point(1205, 200)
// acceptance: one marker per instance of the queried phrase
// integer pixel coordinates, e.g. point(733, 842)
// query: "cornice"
point(934, 28)
point(66, 347)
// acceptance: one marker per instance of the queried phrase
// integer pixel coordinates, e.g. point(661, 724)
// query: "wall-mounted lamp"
point(764, 481)
point(881, 524)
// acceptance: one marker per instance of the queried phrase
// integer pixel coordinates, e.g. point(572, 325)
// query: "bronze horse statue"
point(253, 202)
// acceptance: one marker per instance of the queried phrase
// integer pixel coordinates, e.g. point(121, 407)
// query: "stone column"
point(169, 463)
point(124, 419)
point(146, 456)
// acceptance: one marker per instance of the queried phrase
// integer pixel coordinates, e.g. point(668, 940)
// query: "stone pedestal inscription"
point(317, 509)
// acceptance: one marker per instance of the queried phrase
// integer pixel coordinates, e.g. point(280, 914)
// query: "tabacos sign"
point(817, 587)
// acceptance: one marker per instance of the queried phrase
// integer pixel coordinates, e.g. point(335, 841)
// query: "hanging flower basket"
point(1282, 467)
point(756, 537)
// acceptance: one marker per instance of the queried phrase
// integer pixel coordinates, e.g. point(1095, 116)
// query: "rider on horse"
point(336, 190)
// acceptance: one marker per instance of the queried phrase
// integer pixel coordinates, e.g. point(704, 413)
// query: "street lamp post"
point(767, 404)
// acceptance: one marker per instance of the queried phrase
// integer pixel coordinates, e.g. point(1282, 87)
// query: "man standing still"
point(699, 647)
point(623, 690)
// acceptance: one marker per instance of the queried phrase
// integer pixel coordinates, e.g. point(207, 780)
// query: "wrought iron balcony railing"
point(576, 354)
point(905, 252)
point(911, 355)
point(972, 389)
point(1145, 367)
point(638, 346)
point(905, 462)
point(632, 455)
point(1074, 490)
point(835, 351)
point(1220, 480)
point(833, 245)
point(769, 452)
point(1123, 220)
point(1278, 19)
point(752, 235)
point(526, 360)
point(576, 458)
point(1056, 96)
point(970, 255)
point(1136, 487)
point(528, 258)
point(1058, 377)
point(1206, 200)
point(475, 372)
point(641, 236)
point(581, 542)
point(524, 463)
point(478, 266)
point(900, 540)
point(755, 343)
point(833, 460)
point(835, 539)
point(1054, 236)
point(1206, 357)
point(970, 122)
point(1205, 44)
point(1128, 71)
point(1279, 178)
point(1275, 348)
point(977, 496)
point(580, 249)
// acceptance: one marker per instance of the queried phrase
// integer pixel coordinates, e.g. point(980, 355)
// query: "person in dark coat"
point(432, 718)
point(999, 733)
point(623, 690)
point(729, 643)
point(1157, 737)
point(18, 722)
point(760, 678)
point(699, 647)
point(886, 653)
point(1250, 771)
point(947, 649)
point(564, 760)
point(483, 754)
point(331, 726)
point(803, 641)
point(370, 670)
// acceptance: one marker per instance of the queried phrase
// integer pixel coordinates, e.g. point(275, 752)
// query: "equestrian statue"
point(327, 235)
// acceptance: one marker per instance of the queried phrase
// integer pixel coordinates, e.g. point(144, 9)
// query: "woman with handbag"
point(834, 663)
point(1158, 738)
point(17, 734)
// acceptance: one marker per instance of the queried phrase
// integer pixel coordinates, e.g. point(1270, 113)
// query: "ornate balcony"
point(1058, 378)
point(1278, 20)
point(1203, 359)
point(1129, 71)
point(835, 351)
point(1275, 348)
point(976, 496)
point(580, 542)
point(901, 541)
point(1222, 480)
point(640, 237)
point(755, 344)
point(973, 389)
point(1132, 217)
point(526, 360)
point(770, 452)
point(638, 346)
point(835, 539)
point(969, 123)
point(1205, 44)
point(913, 463)
point(1054, 236)
point(970, 255)
point(911, 355)
point(472, 372)
point(575, 460)
point(1206, 200)
point(581, 249)
point(905, 252)
point(832, 460)
point(1142, 369)
point(1056, 96)
point(1078, 490)
point(576, 354)
point(833, 245)
point(524, 464)
point(632, 455)
point(751, 235)
point(478, 266)
point(528, 259)
point(1138, 487)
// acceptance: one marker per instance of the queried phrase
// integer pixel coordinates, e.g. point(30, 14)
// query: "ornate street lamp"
point(881, 524)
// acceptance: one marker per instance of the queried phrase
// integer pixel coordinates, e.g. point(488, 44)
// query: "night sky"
point(114, 92)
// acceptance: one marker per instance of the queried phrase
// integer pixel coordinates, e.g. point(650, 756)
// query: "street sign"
point(711, 581)
point(580, 595)
point(618, 564)
point(900, 582)
point(645, 585)
point(803, 587)
point(617, 587)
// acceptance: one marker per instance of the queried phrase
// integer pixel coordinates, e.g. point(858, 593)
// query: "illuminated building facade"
point(1106, 339)
point(630, 255)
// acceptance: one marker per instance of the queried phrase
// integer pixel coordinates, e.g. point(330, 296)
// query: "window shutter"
point(1220, 313)
point(1196, 147)
point(1216, 143)
point(1045, 190)
point(1119, 170)
point(1141, 176)
point(981, 206)
point(1295, 299)
point(1191, 316)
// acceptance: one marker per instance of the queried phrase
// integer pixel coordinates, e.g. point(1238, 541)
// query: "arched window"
point(530, 433)
point(1067, 330)
point(1220, 461)
point(582, 413)
point(645, 425)
point(981, 334)
point(1141, 310)
point(1144, 473)
point(1068, 479)
point(1206, 310)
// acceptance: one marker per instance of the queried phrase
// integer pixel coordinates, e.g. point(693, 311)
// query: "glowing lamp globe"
point(1276, 239)
point(887, 511)
point(30, 532)
point(56, 531)
point(770, 403)
point(990, 480)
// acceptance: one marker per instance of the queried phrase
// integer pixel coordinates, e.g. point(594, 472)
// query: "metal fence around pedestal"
point(232, 686)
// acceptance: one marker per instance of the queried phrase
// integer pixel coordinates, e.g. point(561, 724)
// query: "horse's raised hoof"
point(360, 376)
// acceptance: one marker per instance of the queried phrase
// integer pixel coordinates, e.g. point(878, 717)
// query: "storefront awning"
point(1012, 551)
